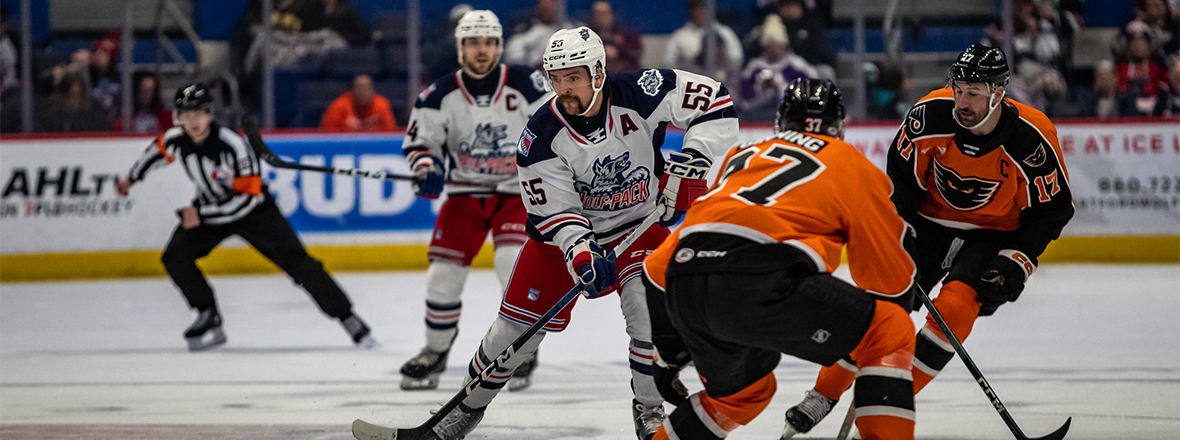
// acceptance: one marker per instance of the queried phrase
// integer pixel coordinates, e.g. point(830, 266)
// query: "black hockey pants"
point(266, 230)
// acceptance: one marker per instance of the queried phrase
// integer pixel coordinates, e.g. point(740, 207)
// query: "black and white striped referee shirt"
point(223, 169)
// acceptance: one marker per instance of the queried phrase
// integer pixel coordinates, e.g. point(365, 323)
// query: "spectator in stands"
point(1169, 106)
point(766, 77)
point(1035, 80)
point(438, 52)
point(72, 109)
point(1141, 80)
point(338, 16)
point(1106, 89)
point(8, 58)
point(295, 43)
point(1163, 25)
point(806, 22)
point(104, 80)
point(527, 45)
point(684, 46)
point(78, 65)
point(149, 115)
point(624, 47)
point(887, 90)
point(360, 109)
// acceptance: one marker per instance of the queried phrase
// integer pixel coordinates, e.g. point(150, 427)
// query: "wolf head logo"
point(609, 172)
point(963, 193)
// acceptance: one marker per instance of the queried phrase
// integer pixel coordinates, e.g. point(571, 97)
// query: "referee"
point(231, 199)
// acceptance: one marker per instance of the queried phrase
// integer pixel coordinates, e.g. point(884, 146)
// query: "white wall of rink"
point(58, 194)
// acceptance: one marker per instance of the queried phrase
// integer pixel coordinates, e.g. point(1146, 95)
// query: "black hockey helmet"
point(193, 97)
point(811, 105)
point(980, 63)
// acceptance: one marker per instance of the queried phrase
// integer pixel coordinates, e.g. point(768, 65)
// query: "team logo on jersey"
point(613, 187)
point(916, 120)
point(486, 154)
point(651, 81)
point(426, 92)
point(222, 177)
point(526, 142)
point(963, 193)
point(1037, 158)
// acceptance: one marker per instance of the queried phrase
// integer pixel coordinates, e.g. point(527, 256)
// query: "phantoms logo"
point(486, 153)
point(613, 187)
point(963, 193)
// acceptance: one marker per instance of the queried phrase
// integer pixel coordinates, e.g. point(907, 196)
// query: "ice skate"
point(205, 333)
point(359, 332)
point(522, 377)
point(421, 372)
point(457, 424)
point(647, 419)
point(802, 417)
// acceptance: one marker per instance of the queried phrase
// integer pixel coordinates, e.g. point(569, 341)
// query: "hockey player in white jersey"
point(465, 126)
point(591, 170)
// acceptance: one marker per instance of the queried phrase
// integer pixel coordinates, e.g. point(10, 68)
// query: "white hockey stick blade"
point(363, 430)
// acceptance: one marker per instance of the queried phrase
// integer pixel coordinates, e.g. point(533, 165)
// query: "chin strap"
point(990, 109)
point(597, 91)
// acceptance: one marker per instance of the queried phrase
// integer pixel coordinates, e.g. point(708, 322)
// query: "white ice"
point(106, 360)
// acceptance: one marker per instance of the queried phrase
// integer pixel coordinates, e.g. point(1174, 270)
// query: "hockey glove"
point(682, 183)
point(428, 177)
point(1003, 280)
point(591, 267)
point(666, 373)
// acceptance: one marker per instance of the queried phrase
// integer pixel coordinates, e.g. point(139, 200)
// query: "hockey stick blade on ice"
point(987, 388)
point(363, 430)
point(250, 127)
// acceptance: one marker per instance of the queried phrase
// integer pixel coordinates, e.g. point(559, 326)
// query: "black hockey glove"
point(1003, 280)
point(666, 373)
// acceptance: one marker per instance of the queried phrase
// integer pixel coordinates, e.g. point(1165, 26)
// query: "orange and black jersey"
point(810, 193)
point(1013, 179)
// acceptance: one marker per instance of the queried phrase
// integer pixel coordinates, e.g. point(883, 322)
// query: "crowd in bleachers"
point(344, 71)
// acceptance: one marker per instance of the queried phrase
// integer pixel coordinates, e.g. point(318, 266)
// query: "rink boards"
point(60, 217)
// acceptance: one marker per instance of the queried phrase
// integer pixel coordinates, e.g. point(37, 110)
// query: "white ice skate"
point(205, 332)
point(802, 417)
point(421, 372)
point(457, 424)
point(647, 419)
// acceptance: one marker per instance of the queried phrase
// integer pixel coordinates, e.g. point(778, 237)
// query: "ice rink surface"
point(106, 360)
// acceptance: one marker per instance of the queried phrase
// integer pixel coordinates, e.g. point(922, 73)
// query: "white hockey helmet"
point(575, 47)
point(478, 23)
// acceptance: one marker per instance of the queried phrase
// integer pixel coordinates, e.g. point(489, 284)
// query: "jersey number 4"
point(802, 167)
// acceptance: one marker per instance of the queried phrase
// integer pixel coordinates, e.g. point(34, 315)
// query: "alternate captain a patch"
point(963, 193)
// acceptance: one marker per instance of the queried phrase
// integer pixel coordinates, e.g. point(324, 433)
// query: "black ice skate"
point(359, 332)
point(421, 372)
point(647, 419)
point(457, 424)
point(205, 333)
point(522, 376)
point(802, 417)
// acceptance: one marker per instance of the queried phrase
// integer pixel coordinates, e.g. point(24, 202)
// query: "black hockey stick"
point(250, 127)
point(987, 388)
point(363, 430)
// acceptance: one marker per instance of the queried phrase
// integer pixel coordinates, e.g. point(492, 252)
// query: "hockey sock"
point(504, 260)
point(642, 382)
point(956, 302)
point(834, 380)
point(499, 337)
point(707, 417)
point(884, 390)
point(444, 287)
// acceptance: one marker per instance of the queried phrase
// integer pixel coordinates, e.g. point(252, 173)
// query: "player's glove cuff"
point(1027, 265)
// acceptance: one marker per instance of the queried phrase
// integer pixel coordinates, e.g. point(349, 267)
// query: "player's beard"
point(969, 118)
point(578, 106)
point(480, 68)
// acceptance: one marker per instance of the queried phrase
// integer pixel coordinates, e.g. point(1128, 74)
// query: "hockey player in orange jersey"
point(748, 277)
point(982, 181)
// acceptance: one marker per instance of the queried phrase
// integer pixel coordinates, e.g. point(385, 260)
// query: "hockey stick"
point(987, 388)
point(250, 127)
point(849, 420)
point(363, 430)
